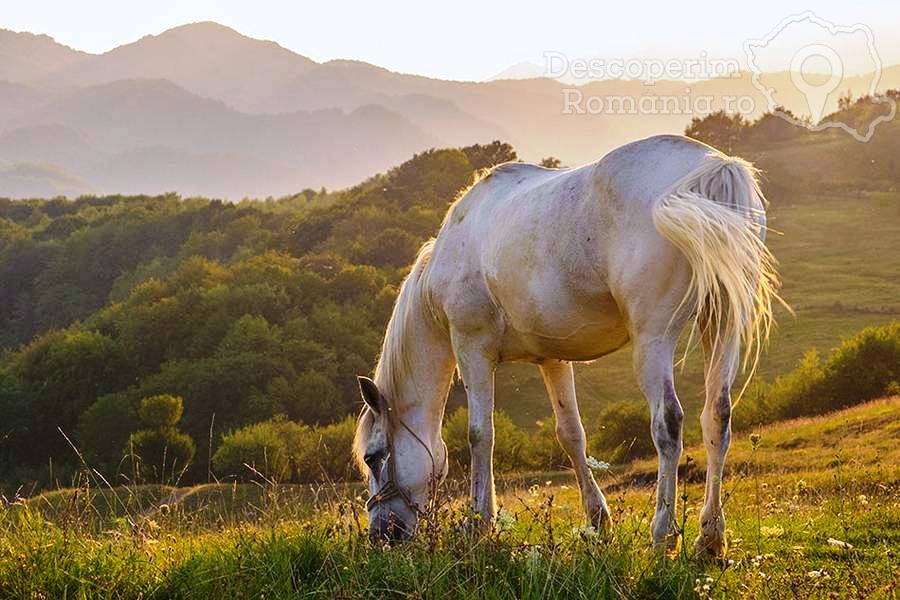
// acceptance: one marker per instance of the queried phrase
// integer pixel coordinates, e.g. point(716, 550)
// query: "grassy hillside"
point(812, 511)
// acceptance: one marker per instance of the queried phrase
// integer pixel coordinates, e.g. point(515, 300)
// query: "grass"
point(803, 483)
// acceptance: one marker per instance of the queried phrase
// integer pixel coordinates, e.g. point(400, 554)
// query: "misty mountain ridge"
point(27, 57)
point(203, 109)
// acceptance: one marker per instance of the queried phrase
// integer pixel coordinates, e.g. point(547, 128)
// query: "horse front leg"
point(476, 367)
point(653, 365)
point(559, 377)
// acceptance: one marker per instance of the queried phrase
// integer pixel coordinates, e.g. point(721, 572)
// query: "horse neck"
point(416, 380)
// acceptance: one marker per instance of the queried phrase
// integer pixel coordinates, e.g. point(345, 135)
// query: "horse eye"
point(373, 459)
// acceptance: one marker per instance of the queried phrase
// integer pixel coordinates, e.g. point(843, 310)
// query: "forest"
point(246, 311)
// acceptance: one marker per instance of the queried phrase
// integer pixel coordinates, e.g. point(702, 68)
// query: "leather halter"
point(390, 489)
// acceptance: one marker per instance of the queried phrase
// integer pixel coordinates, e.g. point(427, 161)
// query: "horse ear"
point(370, 394)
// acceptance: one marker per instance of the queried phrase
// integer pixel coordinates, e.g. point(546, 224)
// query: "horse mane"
point(393, 362)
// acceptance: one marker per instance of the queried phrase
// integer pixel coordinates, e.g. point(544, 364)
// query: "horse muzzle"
point(390, 529)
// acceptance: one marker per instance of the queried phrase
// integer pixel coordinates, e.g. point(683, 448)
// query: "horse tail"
point(716, 217)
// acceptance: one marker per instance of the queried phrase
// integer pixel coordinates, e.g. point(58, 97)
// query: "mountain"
point(53, 143)
point(521, 70)
point(152, 136)
point(17, 99)
point(203, 109)
point(26, 57)
point(40, 180)
point(208, 59)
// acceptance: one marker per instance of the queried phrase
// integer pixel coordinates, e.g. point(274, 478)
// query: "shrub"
point(542, 451)
point(325, 453)
point(509, 442)
point(103, 430)
point(861, 368)
point(786, 397)
point(624, 433)
point(263, 450)
point(282, 450)
point(162, 455)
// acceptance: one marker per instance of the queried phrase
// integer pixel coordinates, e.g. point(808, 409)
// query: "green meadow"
point(812, 505)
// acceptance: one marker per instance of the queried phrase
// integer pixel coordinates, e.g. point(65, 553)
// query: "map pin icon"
point(817, 95)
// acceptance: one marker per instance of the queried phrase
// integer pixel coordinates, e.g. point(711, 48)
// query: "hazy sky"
point(461, 39)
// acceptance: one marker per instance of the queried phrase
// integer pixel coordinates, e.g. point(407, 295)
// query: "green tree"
point(720, 129)
point(771, 128)
point(63, 373)
point(551, 162)
point(489, 155)
point(160, 452)
point(103, 431)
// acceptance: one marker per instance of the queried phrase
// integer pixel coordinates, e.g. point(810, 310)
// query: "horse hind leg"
point(653, 358)
point(560, 381)
point(721, 368)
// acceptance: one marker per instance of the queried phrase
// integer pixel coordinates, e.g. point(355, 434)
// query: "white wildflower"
point(505, 520)
point(533, 558)
point(703, 587)
point(597, 465)
point(840, 544)
point(587, 531)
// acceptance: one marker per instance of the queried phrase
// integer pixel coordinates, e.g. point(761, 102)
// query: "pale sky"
point(461, 39)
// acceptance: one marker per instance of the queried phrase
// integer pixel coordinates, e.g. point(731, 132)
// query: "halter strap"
point(390, 489)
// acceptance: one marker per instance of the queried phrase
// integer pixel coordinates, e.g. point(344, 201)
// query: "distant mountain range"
point(203, 110)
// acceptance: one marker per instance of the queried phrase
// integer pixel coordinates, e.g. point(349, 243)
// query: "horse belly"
point(575, 332)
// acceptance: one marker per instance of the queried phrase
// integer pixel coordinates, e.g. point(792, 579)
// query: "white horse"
point(551, 266)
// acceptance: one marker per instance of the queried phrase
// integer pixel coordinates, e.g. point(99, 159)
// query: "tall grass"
point(535, 554)
point(812, 508)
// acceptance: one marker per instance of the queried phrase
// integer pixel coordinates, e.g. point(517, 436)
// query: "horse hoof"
point(477, 526)
point(670, 544)
point(601, 522)
point(710, 547)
